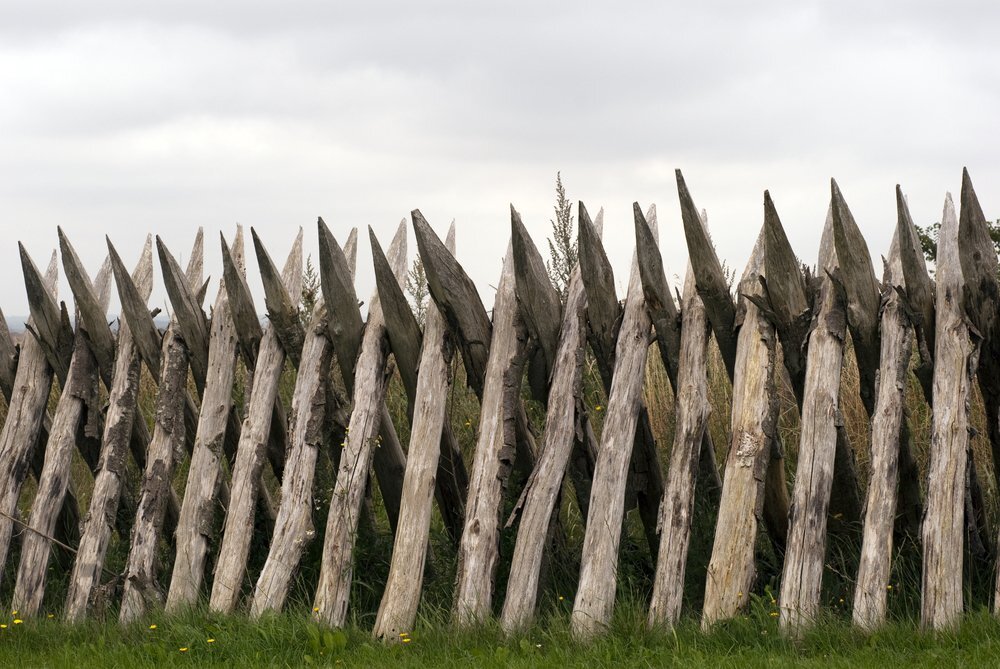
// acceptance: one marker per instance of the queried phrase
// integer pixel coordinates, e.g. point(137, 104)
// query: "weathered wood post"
point(345, 328)
point(805, 553)
point(77, 408)
point(398, 608)
point(336, 569)
point(598, 578)
point(111, 476)
point(250, 452)
point(732, 568)
point(198, 509)
point(25, 415)
point(293, 528)
point(955, 358)
point(888, 431)
point(565, 422)
point(140, 587)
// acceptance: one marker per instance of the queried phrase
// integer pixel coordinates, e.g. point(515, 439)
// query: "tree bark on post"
point(398, 609)
point(77, 408)
point(293, 528)
point(804, 557)
point(111, 476)
point(250, 452)
point(140, 586)
point(598, 567)
point(732, 569)
point(198, 508)
point(336, 569)
point(955, 358)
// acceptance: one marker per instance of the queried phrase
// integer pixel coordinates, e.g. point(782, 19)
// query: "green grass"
point(292, 641)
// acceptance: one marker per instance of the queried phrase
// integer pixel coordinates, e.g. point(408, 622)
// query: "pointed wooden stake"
point(281, 307)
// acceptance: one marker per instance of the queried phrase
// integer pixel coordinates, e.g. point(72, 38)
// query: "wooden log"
point(398, 609)
point(955, 361)
point(732, 569)
point(50, 322)
point(603, 318)
point(804, 557)
point(494, 455)
point(539, 302)
point(336, 569)
point(245, 487)
point(888, 422)
point(140, 578)
point(205, 475)
point(8, 359)
point(282, 309)
point(25, 415)
point(918, 293)
point(565, 420)
point(77, 408)
point(112, 474)
point(598, 567)
point(405, 341)
point(691, 419)
point(293, 528)
point(191, 322)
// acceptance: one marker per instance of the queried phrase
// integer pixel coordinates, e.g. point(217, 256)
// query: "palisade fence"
point(252, 464)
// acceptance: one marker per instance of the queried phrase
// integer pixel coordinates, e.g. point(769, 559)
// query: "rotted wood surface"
point(805, 554)
point(76, 411)
point(245, 487)
point(336, 568)
point(141, 589)
point(732, 567)
point(111, 479)
point(398, 609)
point(955, 358)
point(595, 595)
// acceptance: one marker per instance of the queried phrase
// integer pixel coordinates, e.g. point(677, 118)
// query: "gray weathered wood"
point(25, 415)
point(250, 453)
point(191, 322)
point(732, 568)
point(293, 528)
point(405, 338)
point(112, 473)
point(8, 358)
point(955, 361)
point(282, 307)
point(336, 569)
point(805, 553)
point(337, 282)
point(205, 474)
point(494, 455)
point(140, 579)
point(595, 595)
point(398, 609)
point(77, 408)
point(888, 429)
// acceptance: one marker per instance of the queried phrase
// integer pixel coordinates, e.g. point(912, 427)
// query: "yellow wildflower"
point(3, 626)
point(18, 621)
point(774, 614)
point(183, 649)
point(51, 616)
point(152, 627)
point(209, 640)
point(407, 640)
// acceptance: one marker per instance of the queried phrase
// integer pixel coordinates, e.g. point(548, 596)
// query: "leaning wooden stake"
point(398, 610)
point(112, 473)
point(245, 487)
point(732, 567)
point(194, 530)
point(595, 595)
point(494, 455)
point(691, 409)
point(24, 421)
point(336, 569)
point(77, 408)
point(888, 430)
point(955, 359)
point(293, 528)
point(140, 588)
point(804, 557)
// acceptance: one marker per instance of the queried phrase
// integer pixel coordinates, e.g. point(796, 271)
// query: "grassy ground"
point(198, 639)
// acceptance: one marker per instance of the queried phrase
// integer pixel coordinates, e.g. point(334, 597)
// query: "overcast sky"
point(123, 118)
